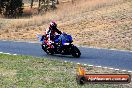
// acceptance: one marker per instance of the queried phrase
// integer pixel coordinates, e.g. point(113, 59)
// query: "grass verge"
point(31, 72)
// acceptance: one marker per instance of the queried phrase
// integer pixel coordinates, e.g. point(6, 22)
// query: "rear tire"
point(48, 50)
point(75, 52)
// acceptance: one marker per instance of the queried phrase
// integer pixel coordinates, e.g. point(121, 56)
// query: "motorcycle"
point(62, 44)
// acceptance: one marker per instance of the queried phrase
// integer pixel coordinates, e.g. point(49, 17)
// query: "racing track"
point(103, 57)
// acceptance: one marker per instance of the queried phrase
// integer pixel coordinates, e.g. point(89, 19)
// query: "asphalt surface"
point(103, 57)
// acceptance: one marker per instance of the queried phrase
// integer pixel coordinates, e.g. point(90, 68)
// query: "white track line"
point(78, 63)
point(65, 61)
point(14, 54)
point(130, 71)
point(111, 68)
point(123, 70)
point(98, 66)
point(117, 69)
point(7, 53)
point(90, 65)
point(107, 68)
point(83, 64)
point(1, 52)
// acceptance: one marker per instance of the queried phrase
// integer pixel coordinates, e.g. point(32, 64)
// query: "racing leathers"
point(50, 33)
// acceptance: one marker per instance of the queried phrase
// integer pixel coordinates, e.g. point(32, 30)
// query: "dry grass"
point(98, 23)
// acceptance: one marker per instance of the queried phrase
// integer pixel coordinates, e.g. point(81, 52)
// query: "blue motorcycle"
point(62, 44)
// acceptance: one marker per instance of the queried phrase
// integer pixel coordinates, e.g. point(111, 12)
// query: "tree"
point(11, 8)
point(45, 5)
point(2, 5)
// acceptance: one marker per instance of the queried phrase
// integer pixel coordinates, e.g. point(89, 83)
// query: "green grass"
point(30, 72)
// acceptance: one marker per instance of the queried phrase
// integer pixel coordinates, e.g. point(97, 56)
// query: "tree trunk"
point(32, 3)
point(57, 1)
point(0, 7)
point(39, 4)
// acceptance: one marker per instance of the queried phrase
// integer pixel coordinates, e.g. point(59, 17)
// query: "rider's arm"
point(48, 33)
point(59, 32)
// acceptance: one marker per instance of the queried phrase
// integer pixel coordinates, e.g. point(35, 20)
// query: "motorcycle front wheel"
point(75, 52)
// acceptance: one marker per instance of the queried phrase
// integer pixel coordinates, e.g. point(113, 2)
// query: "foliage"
point(11, 8)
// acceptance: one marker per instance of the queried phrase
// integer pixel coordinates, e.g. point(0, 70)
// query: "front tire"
point(75, 52)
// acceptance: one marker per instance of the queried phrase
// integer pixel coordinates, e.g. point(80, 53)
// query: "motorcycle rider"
point(50, 32)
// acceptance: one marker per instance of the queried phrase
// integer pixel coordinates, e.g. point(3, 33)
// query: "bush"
point(11, 8)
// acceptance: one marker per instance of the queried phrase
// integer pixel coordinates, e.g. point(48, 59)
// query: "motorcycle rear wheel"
point(48, 50)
